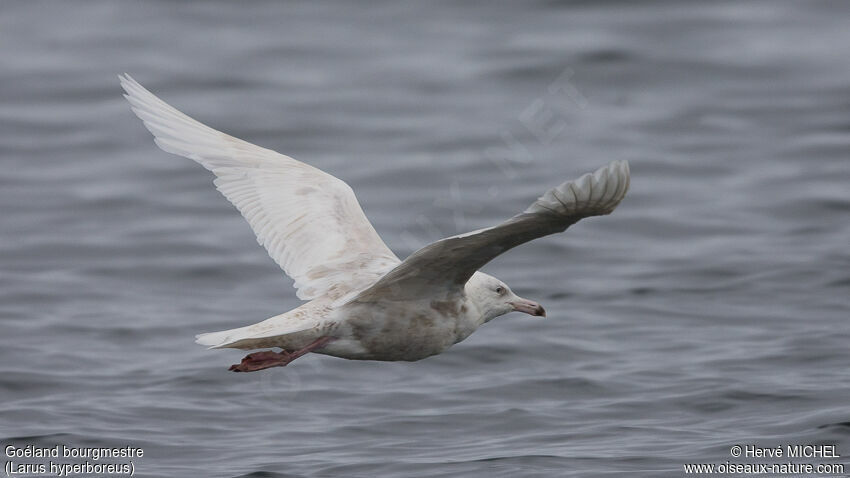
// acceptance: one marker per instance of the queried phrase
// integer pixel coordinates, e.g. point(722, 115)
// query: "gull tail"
point(594, 194)
point(287, 330)
point(216, 340)
point(244, 338)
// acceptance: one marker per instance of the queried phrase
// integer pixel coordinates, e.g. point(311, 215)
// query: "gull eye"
point(500, 290)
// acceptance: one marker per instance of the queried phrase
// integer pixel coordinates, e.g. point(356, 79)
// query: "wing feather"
point(309, 221)
point(447, 264)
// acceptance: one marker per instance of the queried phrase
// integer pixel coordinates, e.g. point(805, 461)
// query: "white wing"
point(447, 264)
point(309, 221)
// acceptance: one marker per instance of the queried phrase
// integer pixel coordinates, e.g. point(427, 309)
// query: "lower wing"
point(447, 264)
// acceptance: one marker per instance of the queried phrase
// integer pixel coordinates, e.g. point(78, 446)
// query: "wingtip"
point(131, 86)
point(592, 194)
point(210, 339)
point(128, 84)
point(625, 175)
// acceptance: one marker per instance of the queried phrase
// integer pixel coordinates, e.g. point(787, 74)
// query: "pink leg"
point(267, 359)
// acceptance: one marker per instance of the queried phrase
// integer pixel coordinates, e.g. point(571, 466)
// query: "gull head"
point(494, 298)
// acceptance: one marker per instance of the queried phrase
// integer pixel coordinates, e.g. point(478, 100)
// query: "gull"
point(362, 302)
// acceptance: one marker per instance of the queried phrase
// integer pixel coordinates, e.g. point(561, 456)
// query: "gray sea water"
point(711, 309)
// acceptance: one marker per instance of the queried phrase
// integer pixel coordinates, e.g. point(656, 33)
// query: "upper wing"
point(449, 263)
point(309, 221)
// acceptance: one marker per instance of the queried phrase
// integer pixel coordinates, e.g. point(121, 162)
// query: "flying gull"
point(362, 302)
